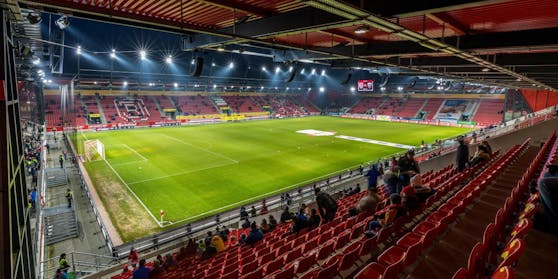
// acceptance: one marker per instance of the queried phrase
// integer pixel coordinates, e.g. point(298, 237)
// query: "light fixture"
point(309, 88)
point(63, 22)
point(313, 72)
point(151, 84)
point(262, 88)
point(518, 79)
point(213, 64)
point(291, 68)
point(277, 69)
point(36, 61)
point(399, 88)
point(353, 89)
point(323, 72)
point(383, 88)
point(214, 86)
point(362, 29)
point(231, 65)
point(302, 71)
point(196, 85)
point(175, 85)
point(485, 69)
point(322, 89)
point(264, 69)
point(34, 19)
point(276, 88)
point(221, 48)
point(95, 82)
point(78, 51)
point(287, 88)
point(113, 53)
point(125, 83)
point(248, 87)
point(194, 62)
point(168, 60)
point(143, 54)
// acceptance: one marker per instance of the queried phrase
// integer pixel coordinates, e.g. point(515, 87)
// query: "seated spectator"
point(133, 257)
point(422, 192)
point(209, 251)
point(286, 216)
point(208, 238)
point(356, 190)
point(246, 223)
point(224, 233)
point(480, 156)
point(300, 222)
point(487, 146)
point(170, 262)
point(264, 226)
point(369, 202)
point(201, 247)
point(218, 243)
point(254, 235)
point(409, 198)
point(160, 259)
point(181, 254)
point(272, 222)
point(390, 214)
point(157, 270)
point(142, 272)
point(314, 220)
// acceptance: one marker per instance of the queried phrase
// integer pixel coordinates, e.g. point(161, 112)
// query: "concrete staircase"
point(101, 111)
point(56, 177)
point(60, 223)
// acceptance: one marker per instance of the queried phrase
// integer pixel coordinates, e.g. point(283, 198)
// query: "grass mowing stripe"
point(133, 193)
point(201, 148)
point(180, 173)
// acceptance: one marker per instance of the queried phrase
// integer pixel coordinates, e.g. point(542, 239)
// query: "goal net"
point(94, 150)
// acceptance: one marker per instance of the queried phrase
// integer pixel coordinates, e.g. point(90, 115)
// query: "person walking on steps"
point(69, 197)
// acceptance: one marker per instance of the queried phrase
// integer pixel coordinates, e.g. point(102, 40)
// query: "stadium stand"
point(195, 105)
point(411, 108)
point(431, 107)
point(242, 104)
point(489, 112)
point(367, 103)
point(306, 104)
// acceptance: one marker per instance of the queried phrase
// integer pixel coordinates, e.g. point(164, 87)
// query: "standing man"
point(462, 154)
point(326, 205)
point(69, 197)
point(407, 166)
point(61, 160)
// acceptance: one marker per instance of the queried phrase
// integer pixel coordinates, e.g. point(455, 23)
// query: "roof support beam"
point(238, 6)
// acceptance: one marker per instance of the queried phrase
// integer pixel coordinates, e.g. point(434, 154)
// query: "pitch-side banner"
point(365, 85)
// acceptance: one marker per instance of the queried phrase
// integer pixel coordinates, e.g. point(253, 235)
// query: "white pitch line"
point(133, 193)
point(180, 173)
point(137, 153)
point(262, 195)
point(201, 148)
point(391, 144)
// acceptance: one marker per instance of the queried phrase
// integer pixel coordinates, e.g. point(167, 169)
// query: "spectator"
point(356, 190)
point(462, 154)
point(170, 262)
point(133, 257)
point(224, 233)
point(407, 167)
point(264, 210)
point(409, 198)
point(61, 274)
point(300, 222)
point(286, 216)
point(33, 197)
point(314, 220)
point(142, 272)
point(157, 270)
point(69, 197)
point(392, 212)
point(63, 262)
point(487, 146)
point(392, 182)
point(210, 250)
point(254, 235)
point(201, 247)
point(253, 211)
point(61, 161)
point(243, 213)
point(208, 238)
point(160, 259)
point(422, 192)
point(369, 202)
point(480, 156)
point(218, 243)
point(326, 205)
point(246, 224)
point(272, 222)
point(548, 190)
point(264, 226)
point(373, 175)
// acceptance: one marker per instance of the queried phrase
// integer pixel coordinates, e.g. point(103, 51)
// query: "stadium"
point(279, 139)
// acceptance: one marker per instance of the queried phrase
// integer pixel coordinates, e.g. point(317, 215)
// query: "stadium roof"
point(510, 43)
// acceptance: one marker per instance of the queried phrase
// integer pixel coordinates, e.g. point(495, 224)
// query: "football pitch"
point(195, 171)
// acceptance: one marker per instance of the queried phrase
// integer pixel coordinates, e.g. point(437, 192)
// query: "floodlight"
point(78, 51)
point(277, 69)
point(264, 69)
point(322, 89)
point(353, 89)
point(36, 61)
point(313, 72)
point(175, 85)
point(231, 65)
point(168, 60)
point(113, 53)
point(323, 72)
point(63, 22)
point(362, 29)
point(125, 83)
point(143, 54)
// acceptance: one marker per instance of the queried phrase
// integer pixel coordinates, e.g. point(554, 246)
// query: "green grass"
point(194, 171)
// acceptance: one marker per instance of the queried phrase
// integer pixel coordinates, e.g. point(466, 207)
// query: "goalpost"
point(94, 150)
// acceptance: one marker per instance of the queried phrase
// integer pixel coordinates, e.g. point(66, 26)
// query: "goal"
point(94, 150)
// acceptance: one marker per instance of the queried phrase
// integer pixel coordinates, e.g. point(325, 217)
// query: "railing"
point(80, 262)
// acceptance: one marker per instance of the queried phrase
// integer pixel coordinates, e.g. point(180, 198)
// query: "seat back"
point(342, 240)
point(293, 255)
point(348, 259)
point(286, 273)
point(325, 251)
point(367, 246)
point(504, 272)
point(512, 252)
point(474, 264)
point(328, 272)
point(305, 263)
point(393, 270)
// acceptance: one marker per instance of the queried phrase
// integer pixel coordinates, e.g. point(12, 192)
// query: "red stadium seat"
point(325, 251)
point(327, 272)
point(342, 240)
point(273, 266)
point(348, 259)
point(504, 272)
point(293, 255)
point(460, 274)
point(286, 273)
point(511, 253)
point(305, 263)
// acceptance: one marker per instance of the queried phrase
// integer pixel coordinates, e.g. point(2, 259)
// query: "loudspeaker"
point(198, 68)
point(346, 81)
point(292, 75)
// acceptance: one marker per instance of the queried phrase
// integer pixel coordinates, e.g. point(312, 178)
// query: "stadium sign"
point(365, 85)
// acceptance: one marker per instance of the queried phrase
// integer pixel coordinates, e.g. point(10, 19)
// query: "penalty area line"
point(135, 152)
point(134, 194)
